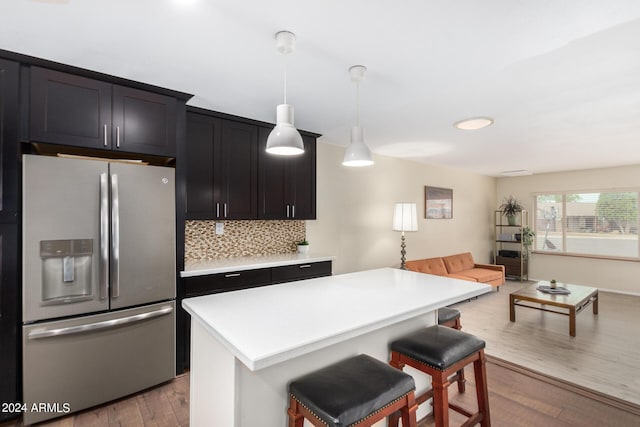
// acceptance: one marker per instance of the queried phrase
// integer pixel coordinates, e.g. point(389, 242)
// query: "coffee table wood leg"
point(572, 321)
point(512, 308)
point(595, 304)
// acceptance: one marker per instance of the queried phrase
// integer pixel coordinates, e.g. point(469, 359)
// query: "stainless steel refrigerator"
point(98, 282)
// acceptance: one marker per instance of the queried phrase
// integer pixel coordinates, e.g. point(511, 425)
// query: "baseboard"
point(574, 388)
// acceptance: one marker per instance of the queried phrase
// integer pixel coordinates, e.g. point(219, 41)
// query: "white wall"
point(355, 210)
point(605, 274)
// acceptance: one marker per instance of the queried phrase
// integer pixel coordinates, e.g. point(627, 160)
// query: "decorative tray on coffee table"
point(559, 290)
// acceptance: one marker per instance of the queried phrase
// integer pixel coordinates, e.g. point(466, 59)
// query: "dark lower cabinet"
point(68, 109)
point(287, 184)
point(9, 366)
point(289, 273)
point(215, 283)
point(235, 280)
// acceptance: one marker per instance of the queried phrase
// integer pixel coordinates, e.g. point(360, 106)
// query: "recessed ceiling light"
point(474, 123)
point(519, 172)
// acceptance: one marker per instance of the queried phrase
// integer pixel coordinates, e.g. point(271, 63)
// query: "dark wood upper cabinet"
point(287, 184)
point(222, 167)
point(239, 170)
point(302, 181)
point(9, 123)
point(144, 122)
point(68, 109)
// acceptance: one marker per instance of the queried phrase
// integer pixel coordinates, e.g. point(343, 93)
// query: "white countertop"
point(225, 265)
point(271, 324)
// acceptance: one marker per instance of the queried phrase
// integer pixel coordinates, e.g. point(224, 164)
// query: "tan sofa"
point(460, 266)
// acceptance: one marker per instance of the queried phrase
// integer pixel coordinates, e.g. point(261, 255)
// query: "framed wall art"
point(438, 203)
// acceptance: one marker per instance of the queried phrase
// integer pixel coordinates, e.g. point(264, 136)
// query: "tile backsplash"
point(241, 238)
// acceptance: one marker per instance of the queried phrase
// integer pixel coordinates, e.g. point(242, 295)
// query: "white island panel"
point(277, 333)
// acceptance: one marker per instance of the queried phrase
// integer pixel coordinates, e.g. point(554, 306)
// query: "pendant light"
point(357, 153)
point(284, 139)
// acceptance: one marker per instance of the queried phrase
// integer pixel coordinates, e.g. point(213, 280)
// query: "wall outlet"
point(219, 228)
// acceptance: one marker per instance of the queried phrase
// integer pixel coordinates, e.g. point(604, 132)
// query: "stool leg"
point(395, 360)
point(409, 412)
point(394, 418)
point(461, 381)
point(439, 384)
point(295, 418)
point(482, 390)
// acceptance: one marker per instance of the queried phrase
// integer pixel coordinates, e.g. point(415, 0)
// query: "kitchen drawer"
point(300, 271)
point(214, 283)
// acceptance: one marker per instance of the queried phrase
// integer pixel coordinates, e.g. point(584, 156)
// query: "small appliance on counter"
point(98, 282)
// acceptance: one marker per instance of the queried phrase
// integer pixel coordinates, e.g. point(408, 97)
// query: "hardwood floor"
point(515, 398)
point(166, 405)
point(537, 374)
point(519, 400)
point(603, 356)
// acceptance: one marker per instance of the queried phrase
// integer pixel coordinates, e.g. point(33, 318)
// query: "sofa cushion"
point(459, 262)
point(430, 266)
point(462, 277)
point(482, 274)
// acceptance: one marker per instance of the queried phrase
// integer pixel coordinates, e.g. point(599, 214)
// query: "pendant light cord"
point(285, 77)
point(358, 104)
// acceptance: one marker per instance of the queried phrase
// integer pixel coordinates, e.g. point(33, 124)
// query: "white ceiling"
point(561, 78)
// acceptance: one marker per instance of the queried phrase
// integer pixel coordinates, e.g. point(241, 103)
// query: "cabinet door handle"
point(287, 211)
point(293, 211)
point(305, 266)
point(232, 275)
point(104, 132)
point(225, 210)
point(117, 136)
point(217, 210)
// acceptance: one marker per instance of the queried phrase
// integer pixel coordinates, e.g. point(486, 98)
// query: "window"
point(596, 223)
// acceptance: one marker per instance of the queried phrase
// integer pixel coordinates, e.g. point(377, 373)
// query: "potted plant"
point(510, 208)
point(303, 247)
point(527, 240)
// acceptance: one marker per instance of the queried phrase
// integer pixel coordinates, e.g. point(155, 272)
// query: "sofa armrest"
point(496, 267)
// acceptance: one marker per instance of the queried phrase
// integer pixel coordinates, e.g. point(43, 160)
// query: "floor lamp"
point(405, 218)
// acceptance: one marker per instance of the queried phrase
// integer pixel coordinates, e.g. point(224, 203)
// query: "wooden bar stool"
point(450, 317)
point(440, 352)
point(358, 391)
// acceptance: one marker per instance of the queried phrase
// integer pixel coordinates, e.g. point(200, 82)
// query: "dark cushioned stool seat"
point(446, 314)
point(438, 346)
point(350, 390)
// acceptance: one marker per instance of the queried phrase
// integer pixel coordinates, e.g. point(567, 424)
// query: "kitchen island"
point(248, 345)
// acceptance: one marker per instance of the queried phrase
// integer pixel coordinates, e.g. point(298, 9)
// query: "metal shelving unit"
point(509, 248)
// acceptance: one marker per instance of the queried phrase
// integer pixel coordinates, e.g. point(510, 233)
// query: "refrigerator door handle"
point(115, 238)
point(104, 235)
point(105, 324)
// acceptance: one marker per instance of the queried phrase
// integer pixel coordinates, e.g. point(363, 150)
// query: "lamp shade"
point(405, 217)
point(357, 153)
point(284, 139)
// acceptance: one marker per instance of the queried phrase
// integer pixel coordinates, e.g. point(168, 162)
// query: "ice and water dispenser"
point(66, 270)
